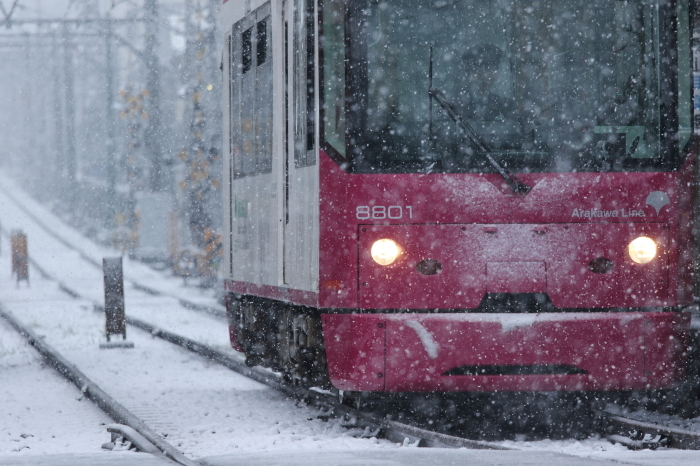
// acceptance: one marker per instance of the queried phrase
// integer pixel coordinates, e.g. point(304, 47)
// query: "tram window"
point(685, 126)
point(261, 45)
point(333, 75)
point(304, 93)
point(310, 70)
point(247, 49)
point(548, 85)
point(251, 95)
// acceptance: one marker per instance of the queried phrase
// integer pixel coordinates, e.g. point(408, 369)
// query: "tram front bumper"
point(415, 352)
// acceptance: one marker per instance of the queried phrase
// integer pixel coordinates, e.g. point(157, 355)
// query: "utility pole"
point(111, 150)
point(42, 108)
point(69, 117)
point(133, 113)
point(28, 104)
point(154, 130)
point(57, 118)
point(187, 68)
point(194, 151)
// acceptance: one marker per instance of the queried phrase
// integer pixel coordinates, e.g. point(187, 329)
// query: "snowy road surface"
point(203, 409)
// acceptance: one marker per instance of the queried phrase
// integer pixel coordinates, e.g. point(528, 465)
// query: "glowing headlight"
point(642, 250)
point(385, 251)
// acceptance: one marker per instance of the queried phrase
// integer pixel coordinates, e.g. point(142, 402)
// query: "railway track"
point(632, 433)
point(629, 432)
point(42, 413)
point(136, 431)
point(639, 435)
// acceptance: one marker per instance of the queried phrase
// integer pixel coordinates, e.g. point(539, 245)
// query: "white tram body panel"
point(271, 168)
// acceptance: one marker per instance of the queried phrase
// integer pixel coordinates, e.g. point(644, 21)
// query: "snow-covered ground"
point(41, 412)
point(45, 418)
point(201, 408)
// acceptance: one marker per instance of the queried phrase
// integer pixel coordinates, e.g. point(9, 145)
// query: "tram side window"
point(247, 41)
point(251, 95)
point(262, 42)
point(304, 93)
point(685, 111)
point(333, 46)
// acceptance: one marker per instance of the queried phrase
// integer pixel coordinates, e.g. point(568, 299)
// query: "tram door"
point(300, 176)
point(253, 206)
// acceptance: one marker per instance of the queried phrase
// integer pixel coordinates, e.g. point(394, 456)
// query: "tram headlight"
point(642, 250)
point(385, 251)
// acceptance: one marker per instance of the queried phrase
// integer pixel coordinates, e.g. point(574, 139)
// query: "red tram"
point(460, 195)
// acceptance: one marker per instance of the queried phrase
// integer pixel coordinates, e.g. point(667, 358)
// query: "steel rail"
point(616, 425)
point(97, 395)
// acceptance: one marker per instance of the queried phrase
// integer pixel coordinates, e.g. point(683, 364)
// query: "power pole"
point(42, 109)
point(69, 116)
point(154, 130)
point(57, 118)
point(111, 149)
point(28, 158)
point(190, 39)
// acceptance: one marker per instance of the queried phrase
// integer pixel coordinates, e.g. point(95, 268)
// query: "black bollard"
point(115, 317)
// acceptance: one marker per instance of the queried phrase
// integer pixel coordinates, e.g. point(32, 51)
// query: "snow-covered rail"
point(98, 396)
point(640, 435)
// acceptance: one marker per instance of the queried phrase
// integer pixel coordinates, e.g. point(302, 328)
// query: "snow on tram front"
point(474, 195)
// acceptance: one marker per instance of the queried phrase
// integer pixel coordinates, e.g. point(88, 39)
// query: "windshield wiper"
point(515, 184)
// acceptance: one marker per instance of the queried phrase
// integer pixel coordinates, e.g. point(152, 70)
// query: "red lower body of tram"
point(490, 291)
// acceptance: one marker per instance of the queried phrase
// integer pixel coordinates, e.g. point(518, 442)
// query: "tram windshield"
point(576, 85)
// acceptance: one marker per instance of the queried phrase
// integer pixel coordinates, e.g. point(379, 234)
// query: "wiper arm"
point(515, 184)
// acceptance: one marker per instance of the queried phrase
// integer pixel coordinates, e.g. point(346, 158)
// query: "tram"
point(460, 195)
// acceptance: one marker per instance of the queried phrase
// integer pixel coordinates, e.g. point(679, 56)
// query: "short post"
point(173, 237)
point(115, 317)
point(20, 257)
